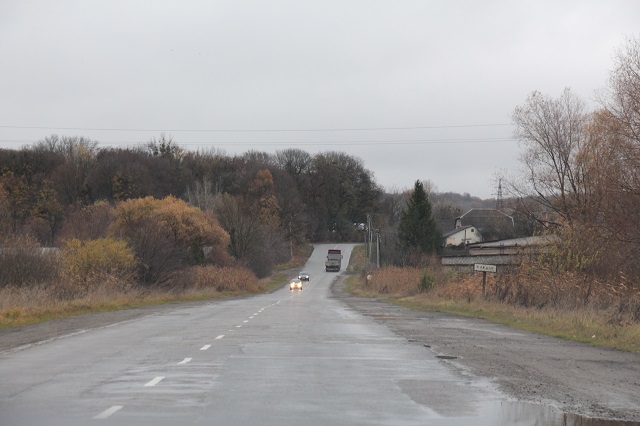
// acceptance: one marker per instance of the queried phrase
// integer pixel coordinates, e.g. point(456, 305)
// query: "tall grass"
point(404, 281)
point(23, 305)
point(568, 304)
point(221, 279)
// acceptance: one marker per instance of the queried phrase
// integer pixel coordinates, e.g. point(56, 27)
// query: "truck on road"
point(334, 260)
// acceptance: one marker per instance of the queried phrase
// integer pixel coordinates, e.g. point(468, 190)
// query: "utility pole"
point(369, 238)
point(290, 240)
point(378, 248)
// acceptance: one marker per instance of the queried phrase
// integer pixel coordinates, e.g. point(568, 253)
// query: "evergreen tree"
point(417, 230)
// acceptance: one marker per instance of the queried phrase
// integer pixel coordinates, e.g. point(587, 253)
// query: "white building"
point(463, 235)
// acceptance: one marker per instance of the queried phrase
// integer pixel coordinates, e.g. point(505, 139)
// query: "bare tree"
point(553, 133)
point(203, 194)
point(622, 99)
point(294, 161)
point(585, 167)
point(72, 177)
point(164, 147)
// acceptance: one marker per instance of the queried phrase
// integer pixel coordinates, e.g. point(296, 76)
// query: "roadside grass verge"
point(430, 289)
point(582, 325)
point(276, 281)
point(42, 308)
point(25, 305)
point(60, 296)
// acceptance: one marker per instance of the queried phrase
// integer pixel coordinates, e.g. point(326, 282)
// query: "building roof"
point(481, 218)
point(538, 240)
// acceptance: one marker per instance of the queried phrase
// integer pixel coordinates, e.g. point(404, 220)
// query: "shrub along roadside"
point(31, 305)
point(601, 322)
point(24, 305)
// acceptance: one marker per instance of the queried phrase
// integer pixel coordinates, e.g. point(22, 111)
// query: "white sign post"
point(484, 269)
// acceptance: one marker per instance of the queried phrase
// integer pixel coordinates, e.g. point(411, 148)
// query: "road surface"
point(283, 358)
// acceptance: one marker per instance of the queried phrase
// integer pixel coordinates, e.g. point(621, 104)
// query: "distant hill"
point(464, 201)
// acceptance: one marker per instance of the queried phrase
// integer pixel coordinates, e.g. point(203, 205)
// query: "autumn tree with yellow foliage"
point(168, 235)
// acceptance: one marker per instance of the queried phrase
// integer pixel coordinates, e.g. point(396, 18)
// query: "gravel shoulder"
point(575, 377)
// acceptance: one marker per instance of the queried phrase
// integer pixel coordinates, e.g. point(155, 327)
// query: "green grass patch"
point(276, 281)
point(358, 259)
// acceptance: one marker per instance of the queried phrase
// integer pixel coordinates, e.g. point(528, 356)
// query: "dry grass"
point(394, 281)
point(564, 305)
point(221, 279)
point(28, 305)
point(403, 281)
point(584, 325)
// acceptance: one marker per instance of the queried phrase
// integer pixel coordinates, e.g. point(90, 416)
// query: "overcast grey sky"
point(429, 85)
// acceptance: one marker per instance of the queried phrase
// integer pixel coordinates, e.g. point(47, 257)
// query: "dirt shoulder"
point(575, 377)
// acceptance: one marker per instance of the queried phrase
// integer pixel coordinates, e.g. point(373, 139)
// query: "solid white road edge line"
point(155, 381)
point(108, 412)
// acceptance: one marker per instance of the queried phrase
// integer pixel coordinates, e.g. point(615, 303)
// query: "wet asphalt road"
point(284, 358)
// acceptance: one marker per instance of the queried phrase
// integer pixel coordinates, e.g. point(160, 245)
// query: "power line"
point(253, 130)
point(309, 143)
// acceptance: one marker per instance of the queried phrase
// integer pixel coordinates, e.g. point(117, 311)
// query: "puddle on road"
point(504, 413)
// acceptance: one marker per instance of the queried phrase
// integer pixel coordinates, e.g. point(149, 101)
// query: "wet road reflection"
point(504, 413)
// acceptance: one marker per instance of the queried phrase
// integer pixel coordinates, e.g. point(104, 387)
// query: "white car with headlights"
point(295, 284)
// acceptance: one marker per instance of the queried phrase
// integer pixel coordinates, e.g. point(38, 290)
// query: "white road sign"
point(484, 268)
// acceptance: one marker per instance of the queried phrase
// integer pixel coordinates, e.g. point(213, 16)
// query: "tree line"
point(267, 203)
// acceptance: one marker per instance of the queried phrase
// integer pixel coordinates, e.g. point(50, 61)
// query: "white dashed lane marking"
point(108, 412)
point(154, 381)
point(185, 361)
point(220, 337)
point(205, 347)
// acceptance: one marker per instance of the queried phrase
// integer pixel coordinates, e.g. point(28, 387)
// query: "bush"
point(87, 222)
point(104, 256)
point(168, 235)
point(426, 282)
point(24, 263)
